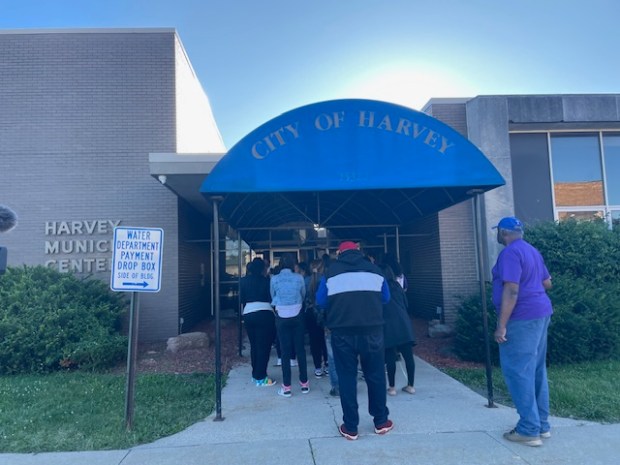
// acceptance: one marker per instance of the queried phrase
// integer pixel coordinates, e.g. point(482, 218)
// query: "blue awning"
point(345, 163)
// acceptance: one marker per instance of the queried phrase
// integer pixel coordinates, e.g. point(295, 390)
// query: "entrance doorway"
point(276, 254)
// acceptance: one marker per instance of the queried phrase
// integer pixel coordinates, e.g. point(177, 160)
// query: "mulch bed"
point(154, 358)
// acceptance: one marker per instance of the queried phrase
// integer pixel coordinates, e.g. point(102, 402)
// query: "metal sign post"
point(132, 350)
point(136, 267)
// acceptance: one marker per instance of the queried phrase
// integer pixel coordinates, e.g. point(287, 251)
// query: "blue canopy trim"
point(347, 162)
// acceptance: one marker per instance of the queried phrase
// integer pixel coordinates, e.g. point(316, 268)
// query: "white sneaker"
point(293, 362)
point(285, 391)
point(278, 363)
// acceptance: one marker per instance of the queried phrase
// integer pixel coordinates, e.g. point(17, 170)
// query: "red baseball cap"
point(347, 245)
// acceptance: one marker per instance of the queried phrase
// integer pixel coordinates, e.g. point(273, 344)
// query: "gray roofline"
point(445, 101)
point(144, 30)
point(186, 163)
point(460, 100)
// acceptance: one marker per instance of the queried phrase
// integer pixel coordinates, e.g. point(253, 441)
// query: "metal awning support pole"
point(218, 338)
point(483, 295)
point(211, 261)
point(385, 248)
point(239, 309)
point(397, 245)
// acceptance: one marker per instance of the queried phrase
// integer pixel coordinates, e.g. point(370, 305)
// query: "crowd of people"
point(352, 325)
point(355, 313)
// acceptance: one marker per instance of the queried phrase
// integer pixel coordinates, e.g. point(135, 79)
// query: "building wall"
point(488, 121)
point(80, 113)
point(562, 108)
point(194, 267)
point(487, 127)
point(421, 261)
point(527, 191)
point(455, 226)
point(458, 257)
point(195, 126)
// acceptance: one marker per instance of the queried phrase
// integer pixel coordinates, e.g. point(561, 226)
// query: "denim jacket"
point(287, 288)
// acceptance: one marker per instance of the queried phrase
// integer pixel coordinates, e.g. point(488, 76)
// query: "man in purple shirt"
point(520, 281)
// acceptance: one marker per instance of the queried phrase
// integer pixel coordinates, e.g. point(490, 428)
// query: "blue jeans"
point(333, 374)
point(523, 361)
point(369, 350)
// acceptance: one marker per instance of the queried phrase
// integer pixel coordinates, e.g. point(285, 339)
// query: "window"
point(577, 173)
point(585, 175)
point(611, 145)
point(581, 215)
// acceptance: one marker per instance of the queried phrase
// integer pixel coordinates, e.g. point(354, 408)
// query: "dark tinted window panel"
point(612, 167)
point(531, 177)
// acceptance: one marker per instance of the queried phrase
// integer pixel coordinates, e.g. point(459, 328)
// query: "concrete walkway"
point(444, 423)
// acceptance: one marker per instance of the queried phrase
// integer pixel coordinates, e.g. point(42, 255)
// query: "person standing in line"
point(314, 318)
point(390, 260)
point(520, 282)
point(276, 340)
point(258, 319)
point(398, 333)
point(288, 291)
point(353, 292)
point(318, 271)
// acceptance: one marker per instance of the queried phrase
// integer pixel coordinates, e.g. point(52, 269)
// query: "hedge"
point(51, 321)
point(584, 261)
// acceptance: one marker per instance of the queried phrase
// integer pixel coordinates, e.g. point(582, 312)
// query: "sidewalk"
point(444, 423)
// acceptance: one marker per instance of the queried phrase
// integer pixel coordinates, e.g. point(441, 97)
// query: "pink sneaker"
point(305, 387)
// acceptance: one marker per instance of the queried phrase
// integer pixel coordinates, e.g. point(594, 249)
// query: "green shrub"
point(584, 261)
point(51, 320)
point(586, 321)
point(585, 325)
point(580, 249)
point(469, 340)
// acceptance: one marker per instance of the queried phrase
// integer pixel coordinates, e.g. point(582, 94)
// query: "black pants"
point(367, 349)
point(291, 334)
point(276, 342)
point(316, 336)
point(390, 362)
point(261, 330)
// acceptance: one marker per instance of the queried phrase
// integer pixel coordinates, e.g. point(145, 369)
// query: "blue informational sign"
point(137, 259)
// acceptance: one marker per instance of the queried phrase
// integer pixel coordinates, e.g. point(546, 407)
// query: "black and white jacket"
point(353, 292)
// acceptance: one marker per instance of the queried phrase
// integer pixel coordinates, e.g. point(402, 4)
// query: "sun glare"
point(408, 87)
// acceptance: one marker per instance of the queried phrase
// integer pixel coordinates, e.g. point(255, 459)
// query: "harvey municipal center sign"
point(137, 259)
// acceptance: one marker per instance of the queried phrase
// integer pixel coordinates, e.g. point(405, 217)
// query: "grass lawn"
point(86, 411)
point(585, 391)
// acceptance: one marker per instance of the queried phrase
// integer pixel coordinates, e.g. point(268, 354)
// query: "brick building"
point(100, 128)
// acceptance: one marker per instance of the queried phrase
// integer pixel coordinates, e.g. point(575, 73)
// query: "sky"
point(257, 59)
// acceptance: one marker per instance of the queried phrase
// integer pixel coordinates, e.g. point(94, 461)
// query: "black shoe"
point(334, 392)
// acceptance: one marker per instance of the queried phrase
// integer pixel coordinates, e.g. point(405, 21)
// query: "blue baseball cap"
point(510, 223)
